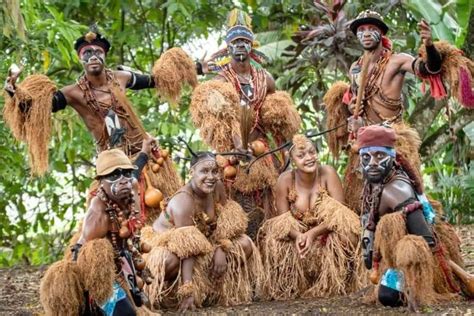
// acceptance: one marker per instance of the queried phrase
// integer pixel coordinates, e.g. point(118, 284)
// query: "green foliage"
point(455, 187)
point(38, 214)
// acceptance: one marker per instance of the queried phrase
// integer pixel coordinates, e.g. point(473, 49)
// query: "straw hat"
point(110, 160)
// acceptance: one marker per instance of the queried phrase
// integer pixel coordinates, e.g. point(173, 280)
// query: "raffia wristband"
point(225, 244)
point(185, 290)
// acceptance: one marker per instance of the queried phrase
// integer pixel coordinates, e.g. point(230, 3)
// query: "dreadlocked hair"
point(412, 173)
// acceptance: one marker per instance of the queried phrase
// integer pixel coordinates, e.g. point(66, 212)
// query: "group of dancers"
point(246, 225)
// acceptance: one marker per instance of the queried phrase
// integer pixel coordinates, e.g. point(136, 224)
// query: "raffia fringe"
point(390, 229)
point(337, 114)
point(284, 270)
point(457, 71)
point(353, 183)
point(232, 221)
point(32, 125)
point(184, 242)
point(279, 115)
point(408, 144)
point(414, 258)
point(61, 289)
point(340, 268)
point(262, 175)
point(172, 71)
point(242, 278)
point(215, 111)
point(448, 237)
point(97, 268)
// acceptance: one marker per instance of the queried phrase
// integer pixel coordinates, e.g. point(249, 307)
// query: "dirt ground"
point(19, 296)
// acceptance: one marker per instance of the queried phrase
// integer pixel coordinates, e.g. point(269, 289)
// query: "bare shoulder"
point(284, 180)
point(396, 192)
point(271, 86)
point(329, 175)
point(327, 170)
point(401, 58)
point(285, 175)
point(72, 93)
point(220, 77)
point(221, 196)
point(181, 205)
point(96, 207)
point(122, 76)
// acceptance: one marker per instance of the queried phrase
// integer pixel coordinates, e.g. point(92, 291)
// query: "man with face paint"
point(241, 105)
point(106, 254)
point(311, 248)
point(412, 253)
point(95, 93)
point(200, 251)
point(381, 100)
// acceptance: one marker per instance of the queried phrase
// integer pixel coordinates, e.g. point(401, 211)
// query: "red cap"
point(375, 135)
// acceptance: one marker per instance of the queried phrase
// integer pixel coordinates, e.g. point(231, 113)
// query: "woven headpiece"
point(369, 17)
point(93, 37)
point(239, 25)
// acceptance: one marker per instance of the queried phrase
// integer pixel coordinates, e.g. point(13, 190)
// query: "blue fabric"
point(238, 31)
point(388, 150)
point(118, 294)
point(428, 210)
point(393, 279)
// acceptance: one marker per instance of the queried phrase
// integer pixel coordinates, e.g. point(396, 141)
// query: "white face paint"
point(376, 165)
point(205, 175)
point(240, 49)
point(119, 182)
point(369, 36)
point(92, 58)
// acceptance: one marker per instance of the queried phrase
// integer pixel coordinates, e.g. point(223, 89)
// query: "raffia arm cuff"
point(225, 244)
point(185, 290)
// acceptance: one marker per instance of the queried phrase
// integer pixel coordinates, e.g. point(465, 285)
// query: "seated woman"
point(200, 254)
point(310, 249)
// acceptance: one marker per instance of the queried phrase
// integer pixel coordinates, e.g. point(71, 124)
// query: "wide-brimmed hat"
point(369, 17)
point(110, 160)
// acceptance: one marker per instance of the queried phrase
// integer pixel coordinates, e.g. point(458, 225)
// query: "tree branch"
point(425, 113)
point(122, 28)
point(147, 32)
point(163, 30)
point(441, 137)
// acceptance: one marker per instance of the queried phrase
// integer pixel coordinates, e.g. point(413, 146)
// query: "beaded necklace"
point(258, 82)
point(373, 88)
point(125, 236)
point(132, 141)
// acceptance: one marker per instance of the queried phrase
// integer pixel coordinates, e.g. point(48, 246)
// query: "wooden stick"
point(466, 278)
point(244, 124)
point(363, 82)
